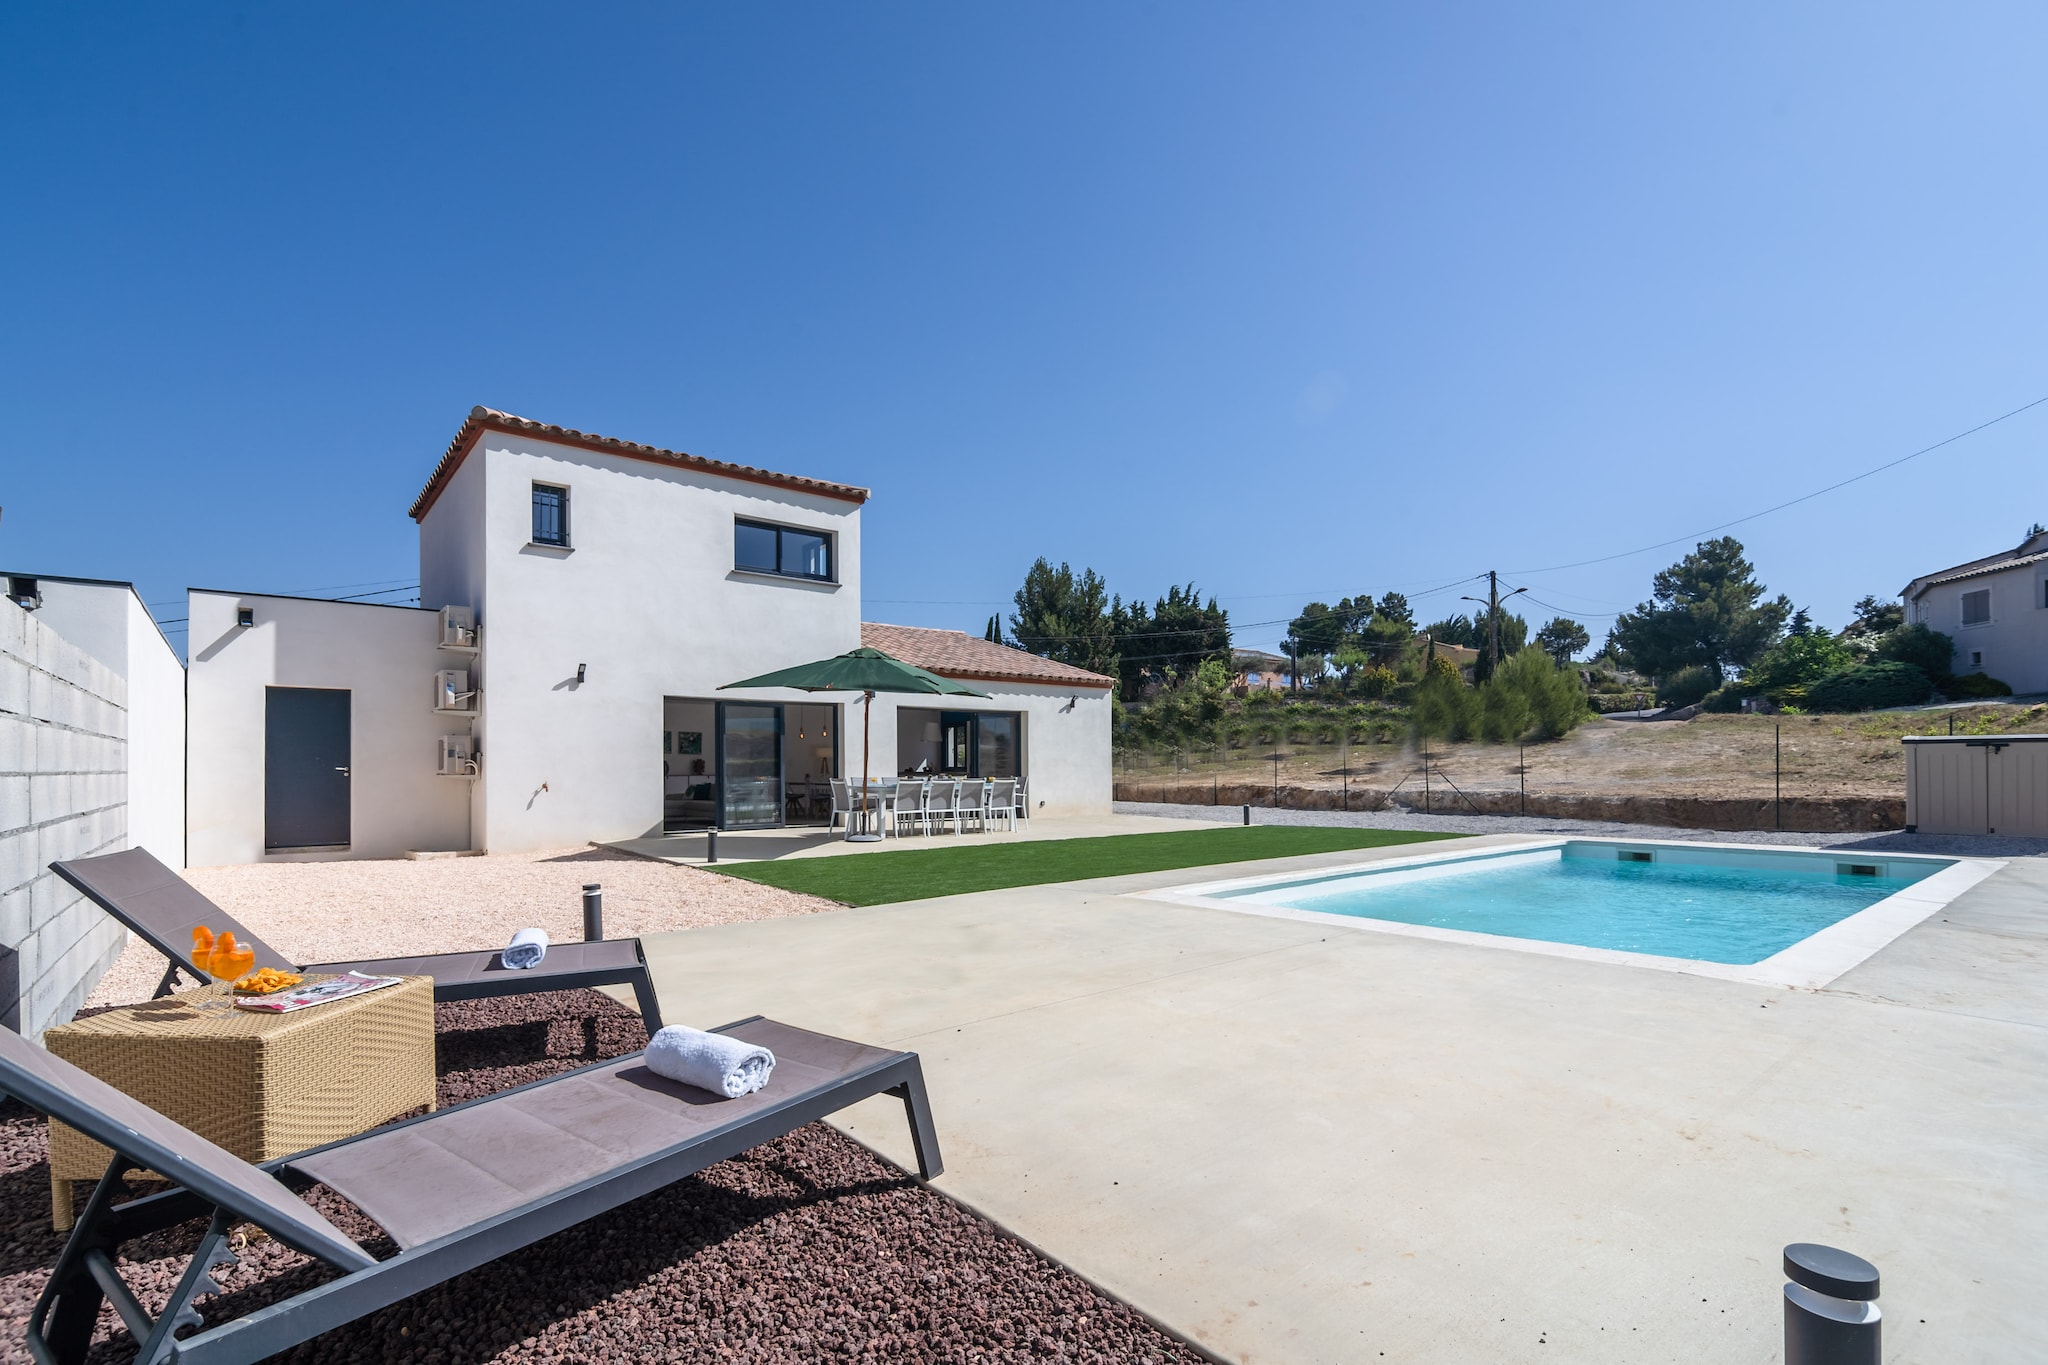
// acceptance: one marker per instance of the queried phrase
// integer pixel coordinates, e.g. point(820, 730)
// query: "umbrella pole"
point(867, 708)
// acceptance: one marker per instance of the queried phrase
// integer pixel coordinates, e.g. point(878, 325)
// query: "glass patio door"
point(749, 765)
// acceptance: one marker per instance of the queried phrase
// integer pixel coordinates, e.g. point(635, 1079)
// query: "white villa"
point(583, 602)
point(1996, 610)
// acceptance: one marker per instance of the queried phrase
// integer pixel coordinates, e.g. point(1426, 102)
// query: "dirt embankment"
point(1815, 814)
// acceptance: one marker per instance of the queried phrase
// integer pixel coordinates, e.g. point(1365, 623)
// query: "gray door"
point(305, 767)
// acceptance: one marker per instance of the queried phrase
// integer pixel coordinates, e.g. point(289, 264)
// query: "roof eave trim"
point(475, 425)
point(1094, 680)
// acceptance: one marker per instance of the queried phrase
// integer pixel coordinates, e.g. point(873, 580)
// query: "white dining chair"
point(842, 806)
point(1023, 806)
point(915, 805)
point(938, 803)
point(971, 804)
point(1002, 802)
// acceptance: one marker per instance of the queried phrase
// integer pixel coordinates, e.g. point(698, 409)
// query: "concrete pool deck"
point(1291, 1142)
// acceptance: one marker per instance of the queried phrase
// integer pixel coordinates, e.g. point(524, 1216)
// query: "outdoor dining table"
point(260, 1085)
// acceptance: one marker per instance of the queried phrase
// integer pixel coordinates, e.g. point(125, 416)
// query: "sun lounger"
point(453, 1189)
point(164, 908)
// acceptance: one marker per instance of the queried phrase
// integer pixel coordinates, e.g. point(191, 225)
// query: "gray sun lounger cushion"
point(488, 967)
point(423, 1181)
point(55, 1087)
point(455, 1189)
point(158, 904)
point(164, 908)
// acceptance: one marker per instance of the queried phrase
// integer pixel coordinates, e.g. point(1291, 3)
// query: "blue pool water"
point(1718, 909)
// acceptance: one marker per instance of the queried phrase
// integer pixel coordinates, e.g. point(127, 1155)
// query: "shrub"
point(1725, 698)
point(1376, 681)
point(1927, 650)
point(1973, 687)
point(1867, 687)
point(1548, 698)
point(1797, 661)
point(1686, 686)
point(1444, 708)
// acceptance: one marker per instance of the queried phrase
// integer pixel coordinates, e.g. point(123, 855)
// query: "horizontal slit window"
point(760, 547)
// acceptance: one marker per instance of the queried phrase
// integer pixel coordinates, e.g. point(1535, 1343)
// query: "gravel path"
point(334, 911)
point(1894, 841)
point(807, 1249)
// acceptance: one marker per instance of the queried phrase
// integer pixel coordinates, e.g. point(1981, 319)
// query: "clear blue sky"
point(1294, 301)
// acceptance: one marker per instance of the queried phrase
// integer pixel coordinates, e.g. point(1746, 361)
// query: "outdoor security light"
point(245, 616)
point(579, 673)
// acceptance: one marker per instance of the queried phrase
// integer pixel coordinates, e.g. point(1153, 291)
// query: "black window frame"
point(831, 574)
point(561, 514)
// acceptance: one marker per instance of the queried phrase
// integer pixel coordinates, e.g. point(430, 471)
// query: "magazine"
point(318, 993)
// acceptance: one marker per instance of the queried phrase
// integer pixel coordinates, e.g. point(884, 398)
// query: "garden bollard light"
point(710, 845)
point(1831, 1313)
point(593, 912)
point(1247, 814)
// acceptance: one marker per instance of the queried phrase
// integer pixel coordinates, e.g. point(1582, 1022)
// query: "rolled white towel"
point(526, 949)
point(710, 1061)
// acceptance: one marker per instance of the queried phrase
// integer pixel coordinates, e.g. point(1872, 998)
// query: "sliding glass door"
point(749, 765)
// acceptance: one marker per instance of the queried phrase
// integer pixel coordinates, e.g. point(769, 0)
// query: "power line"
point(1794, 502)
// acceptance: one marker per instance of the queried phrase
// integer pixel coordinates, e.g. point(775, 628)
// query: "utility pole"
point(1493, 601)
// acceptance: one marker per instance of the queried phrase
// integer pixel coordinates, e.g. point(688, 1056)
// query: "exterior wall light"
point(579, 673)
point(245, 616)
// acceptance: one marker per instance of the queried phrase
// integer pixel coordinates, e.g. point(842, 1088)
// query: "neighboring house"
point(109, 622)
point(1461, 656)
point(584, 602)
point(1996, 610)
point(1255, 670)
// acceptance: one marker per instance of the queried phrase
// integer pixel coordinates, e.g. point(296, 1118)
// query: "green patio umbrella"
point(866, 671)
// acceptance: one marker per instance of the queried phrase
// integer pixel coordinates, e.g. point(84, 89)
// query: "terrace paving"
point(1299, 1143)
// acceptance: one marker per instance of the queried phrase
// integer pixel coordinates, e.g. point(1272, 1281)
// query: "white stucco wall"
point(156, 740)
point(108, 621)
point(386, 657)
point(1066, 740)
point(2014, 642)
point(646, 597)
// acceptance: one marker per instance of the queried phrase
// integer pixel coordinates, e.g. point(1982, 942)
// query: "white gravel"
point(324, 912)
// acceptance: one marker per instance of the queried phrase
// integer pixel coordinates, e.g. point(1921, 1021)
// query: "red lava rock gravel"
point(808, 1249)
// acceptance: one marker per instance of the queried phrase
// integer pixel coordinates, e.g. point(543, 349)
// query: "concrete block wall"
point(63, 794)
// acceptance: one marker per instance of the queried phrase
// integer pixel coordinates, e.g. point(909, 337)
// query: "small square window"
point(1977, 607)
point(1976, 658)
point(550, 515)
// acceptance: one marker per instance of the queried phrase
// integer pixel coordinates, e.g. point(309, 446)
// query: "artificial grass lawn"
point(914, 874)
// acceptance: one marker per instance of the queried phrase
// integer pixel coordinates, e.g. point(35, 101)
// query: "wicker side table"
point(259, 1085)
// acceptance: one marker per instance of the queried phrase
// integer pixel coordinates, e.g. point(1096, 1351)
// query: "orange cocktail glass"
point(230, 961)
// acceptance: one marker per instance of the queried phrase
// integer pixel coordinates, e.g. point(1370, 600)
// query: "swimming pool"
point(1791, 916)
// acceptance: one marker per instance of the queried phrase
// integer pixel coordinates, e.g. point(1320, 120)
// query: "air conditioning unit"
point(452, 691)
point(458, 756)
point(458, 628)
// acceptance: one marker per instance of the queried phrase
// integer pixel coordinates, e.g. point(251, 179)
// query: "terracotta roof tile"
point(956, 654)
point(481, 420)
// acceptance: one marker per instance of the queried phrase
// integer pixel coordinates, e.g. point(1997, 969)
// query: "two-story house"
point(584, 601)
point(1996, 610)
